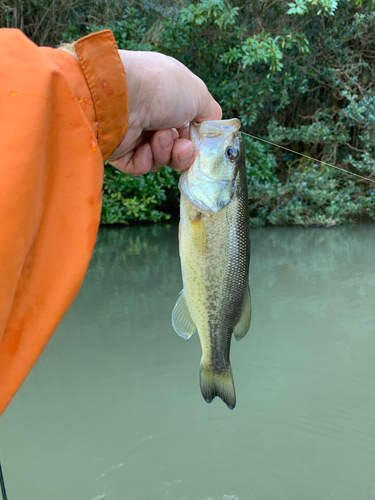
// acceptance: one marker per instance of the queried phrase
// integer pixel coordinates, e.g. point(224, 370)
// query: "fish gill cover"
point(208, 183)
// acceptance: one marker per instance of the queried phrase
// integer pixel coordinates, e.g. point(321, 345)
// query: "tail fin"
point(218, 384)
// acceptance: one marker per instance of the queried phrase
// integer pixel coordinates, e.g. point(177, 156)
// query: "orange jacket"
point(59, 119)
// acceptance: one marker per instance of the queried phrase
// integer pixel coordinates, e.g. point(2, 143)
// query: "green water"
point(113, 408)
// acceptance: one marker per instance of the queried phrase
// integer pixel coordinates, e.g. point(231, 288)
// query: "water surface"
point(113, 407)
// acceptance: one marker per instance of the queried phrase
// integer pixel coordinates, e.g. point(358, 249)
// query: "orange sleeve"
point(59, 119)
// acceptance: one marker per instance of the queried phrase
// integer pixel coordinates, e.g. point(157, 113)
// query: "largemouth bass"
point(215, 252)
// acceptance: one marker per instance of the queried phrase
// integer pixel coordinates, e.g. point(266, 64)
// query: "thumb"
point(208, 108)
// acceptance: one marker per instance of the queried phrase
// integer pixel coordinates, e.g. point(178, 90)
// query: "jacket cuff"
point(105, 76)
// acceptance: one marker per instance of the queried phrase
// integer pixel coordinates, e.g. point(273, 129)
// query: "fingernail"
point(186, 156)
point(166, 140)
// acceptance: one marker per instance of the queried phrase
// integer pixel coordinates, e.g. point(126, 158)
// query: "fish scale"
point(215, 253)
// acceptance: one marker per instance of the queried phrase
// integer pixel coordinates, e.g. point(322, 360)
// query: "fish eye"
point(232, 152)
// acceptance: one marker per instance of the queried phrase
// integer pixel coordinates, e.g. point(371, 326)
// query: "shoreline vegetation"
point(299, 73)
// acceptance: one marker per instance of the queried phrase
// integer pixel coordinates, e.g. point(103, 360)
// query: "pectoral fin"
point(243, 324)
point(181, 318)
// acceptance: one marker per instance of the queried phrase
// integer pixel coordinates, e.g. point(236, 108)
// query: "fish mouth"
point(214, 128)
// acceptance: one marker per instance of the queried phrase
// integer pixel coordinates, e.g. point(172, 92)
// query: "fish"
point(214, 248)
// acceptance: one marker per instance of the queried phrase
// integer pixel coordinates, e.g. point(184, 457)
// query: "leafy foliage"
point(302, 79)
point(127, 198)
point(298, 73)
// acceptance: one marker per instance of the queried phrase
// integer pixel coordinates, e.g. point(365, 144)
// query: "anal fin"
point(243, 324)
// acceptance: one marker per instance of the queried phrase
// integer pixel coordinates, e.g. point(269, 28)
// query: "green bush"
point(299, 73)
point(127, 198)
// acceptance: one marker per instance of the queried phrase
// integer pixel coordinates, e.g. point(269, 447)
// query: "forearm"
point(59, 118)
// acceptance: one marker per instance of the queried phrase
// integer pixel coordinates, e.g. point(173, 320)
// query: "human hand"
point(164, 96)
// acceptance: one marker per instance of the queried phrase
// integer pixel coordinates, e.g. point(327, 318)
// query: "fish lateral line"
point(310, 158)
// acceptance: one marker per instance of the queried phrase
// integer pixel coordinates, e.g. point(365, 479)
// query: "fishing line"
point(2, 485)
point(309, 157)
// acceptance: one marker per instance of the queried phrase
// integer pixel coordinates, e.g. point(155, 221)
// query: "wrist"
point(134, 68)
